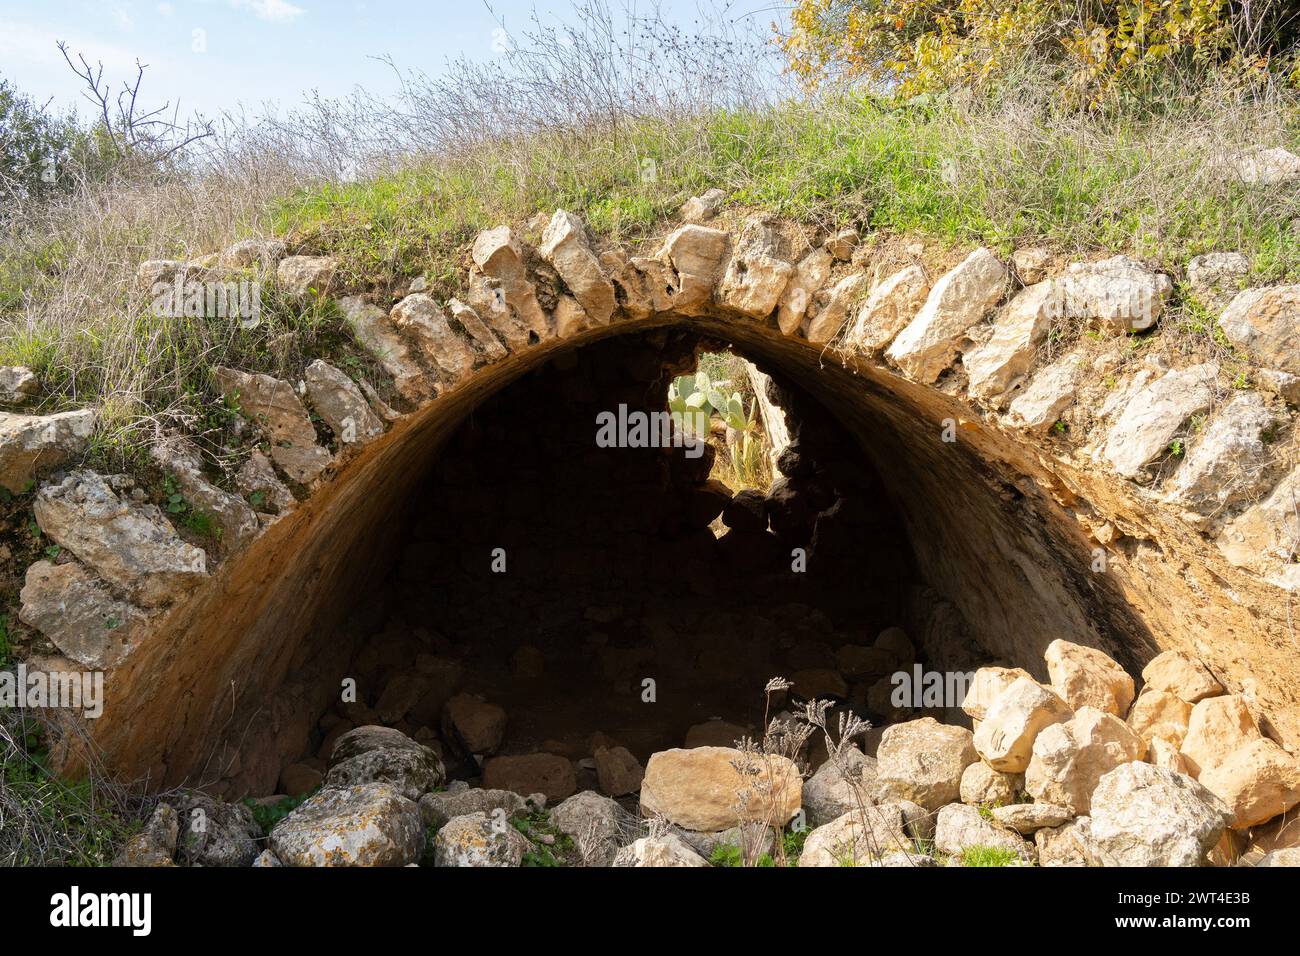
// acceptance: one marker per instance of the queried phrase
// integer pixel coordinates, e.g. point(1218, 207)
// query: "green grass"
point(989, 856)
point(268, 815)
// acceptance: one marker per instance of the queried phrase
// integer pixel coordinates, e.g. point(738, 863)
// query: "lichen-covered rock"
point(1145, 816)
point(832, 791)
point(303, 275)
point(596, 824)
point(437, 808)
point(1180, 674)
point(890, 306)
point(1005, 737)
point(1257, 780)
point(961, 297)
point(923, 761)
point(479, 839)
point(960, 828)
point(703, 789)
point(83, 619)
point(129, 544)
point(155, 845)
point(1086, 677)
point(857, 837)
point(338, 401)
point(666, 850)
point(30, 444)
point(1069, 758)
point(1154, 415)
point(370, 753)
point(212, 832)
point(371, 824)
point(274, 407)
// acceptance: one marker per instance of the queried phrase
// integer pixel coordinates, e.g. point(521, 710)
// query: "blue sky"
point(213, 55)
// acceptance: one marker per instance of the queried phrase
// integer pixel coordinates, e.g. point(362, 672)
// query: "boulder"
point(960, 828)
point(248, 253)
point(339, 402)
point(1154, 415)
point(809, 276)
point(1005, 738)
point(479, 839)
point(1257, 780)
point(1031, 264)
point(371, 824)
point(1070, 758)
point(839, 786)
point(234, 521)
point(714, 788)
point(549, 774)
point(1228, 461)
point(1214, 278)
point(982, 786)
point(703, 207)
point(1262, 538)
point(303, 275)
point(696, 254)
point(18, 385)
point(666, 850)
point(475, 725)
point(1086, 677)
point(377, 334)
point(214, 833)
point(596, 824)
point(1217, 727)
point(1067, 845)
point(1027, 818)
point(1264, 166)
point(890, 306)
point(714, 733)
point(565, 246)
point(857, 837)
point(1002, 363)
point(155, 844)
point(127, 543)
point(1145, 816)
point(1182, 675)
point(1265, 324)
point(30, 444)
point(274, 406)
point(440, 806)
point(1165, 753)
point(923, 761)
point(300, 778)
point(987, 684)
point(79, 614)
point(756, 275)
point(1047, 396)
point(960, 299)
point(371, 753)
point(1158, 714)
point(1119, 294)
point(618, 771)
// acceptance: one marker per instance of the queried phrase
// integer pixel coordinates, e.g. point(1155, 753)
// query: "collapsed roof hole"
point(554, 590)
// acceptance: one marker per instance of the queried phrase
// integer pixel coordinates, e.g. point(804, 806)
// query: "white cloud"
point(277, 11)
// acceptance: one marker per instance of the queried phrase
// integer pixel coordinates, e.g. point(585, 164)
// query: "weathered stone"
point(153, 271)
point(960, 299)
point(501, 291)
point(263, 253)
point(1145, 816)
point(988, 684)
point(714, 788)
point(754, 278)
point(704, 207)
point(212, 832)
point(1282, 384)
point(923, 761)
point(71, 607)
point(982, 786)
point(1257, 780)
point(439, 807)
point(696, 254)
point(371, 824)
point(890, 306)
point(473, 724)
point(565, 246)
point(257, 480)
point(1159, 714)
point(1005, 737)
point(1068, 845)
point(1265, 324)
point(375, 331)
point(549, 774)
point(1263, 537)
point(714, 733)
point(618, 771)
point(479, 839)
point(1288, 856)
point(338, 401)
point(856, 837)
point(961, 828)
point(1217, 727)
point(1047, 396)
point(839, 786)
point(1031, 264)
point(1002, 363)
point(1263, 166)
point(1027, 818)
point(17, 384)
point(1119, 294)
point(274, 406)
point(476, 329)
point(569, 317)
point(303, 275)
point(1228, 461)
point(1180, 674)
point(129, 544)
point(371, 753)
point(596, 824)
point(34, 443)
point(809, 276)
point(235, 522)
point(1216, 277)
point(1084, 676)
point(1154, 415)
point(154, 845)
point(1070, 758)
point(267, 859)
point(845, 297)
point(666, 850)
point(1164, 753)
